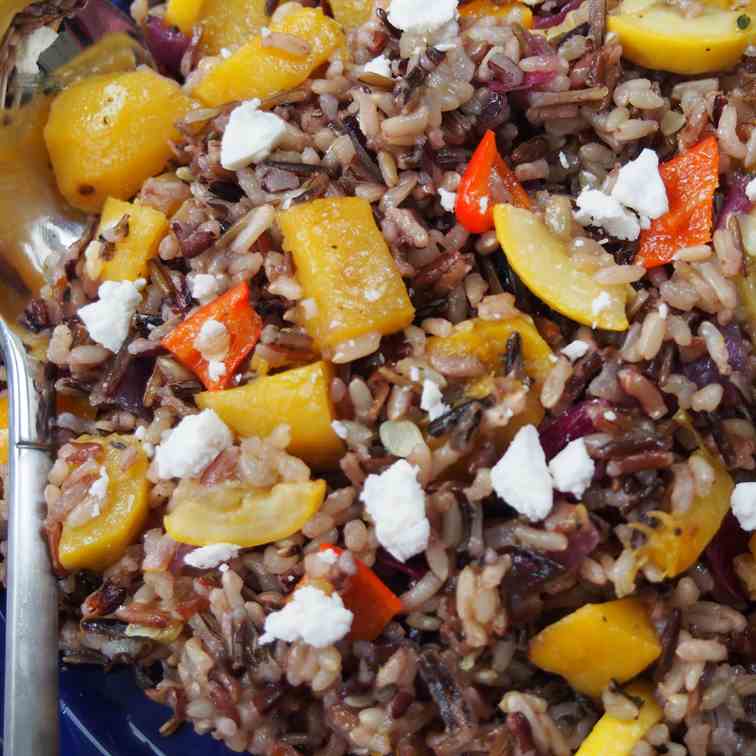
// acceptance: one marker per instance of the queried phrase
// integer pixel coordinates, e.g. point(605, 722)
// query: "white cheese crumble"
point(328, 556)
point(521, 477)
point(380, 65)
point(639, 185)
point(340, 429)
point(743, 503)
point(610, 415)
point(99, 489)
point(192, 445)
point(483, 204)
point(205, 287)
point(250, 136)
point(422, 16)
point(312, 617)
point(575, 350)
point(31, 48)
point(396, 502)
point(572, 469)
point(599, 209)
point(750, 190)
point(448, 200)
point(600, 303)
point(213, 341)
point(215, 370)
point(432, 400)
point(207, 557)
point(108, 319)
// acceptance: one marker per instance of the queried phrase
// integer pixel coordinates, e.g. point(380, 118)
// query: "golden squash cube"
point(345, 267)
point(299, 397)
point(255, 70)
point(107, 134)
point(598, 643)
point(146, 227)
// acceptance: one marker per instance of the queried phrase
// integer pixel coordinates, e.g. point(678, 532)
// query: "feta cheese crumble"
point(192, 445)
point(743, 503)
point(422, 16)
point(213, 341)
point(572, 469)
point(600, 303)
point(750, 190)
point(207, 557)
point(205, 287)
point(575, 350)
point(215, 370)
point(448, 200)
point(31, 48)
point(328, 556)
point(99, 489)
point(312, 617)
point(396, 502)
point(639, 185)
point(250, 136)
point(380, 65)
point(521, 477)
point(340, 429)
point(599, 209)
point(108, 319)
point(432, 400)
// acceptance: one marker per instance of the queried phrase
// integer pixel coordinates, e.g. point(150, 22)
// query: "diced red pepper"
point(242, 323)
point(475, 199)
point(691, 179)
point(373, 604)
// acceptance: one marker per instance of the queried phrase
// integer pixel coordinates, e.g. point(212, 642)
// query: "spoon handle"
point(31, 641)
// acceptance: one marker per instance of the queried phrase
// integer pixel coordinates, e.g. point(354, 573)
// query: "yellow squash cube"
point(183, 13)
point(234, 513)
point(229, 24)
point(107, 134)
point(258, 71)
point(512, 12)
point(146, 227)
point(102, 540)
point(617, 737)
point(351, 13)
point(344, 265)
point(598, 643)
point(299, 397)
point(487, 340)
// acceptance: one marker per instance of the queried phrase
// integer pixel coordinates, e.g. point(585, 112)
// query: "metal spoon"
point(31, 648)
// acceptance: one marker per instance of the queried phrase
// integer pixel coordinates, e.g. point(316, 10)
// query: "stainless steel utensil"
point(31, 647)
point(31, 640)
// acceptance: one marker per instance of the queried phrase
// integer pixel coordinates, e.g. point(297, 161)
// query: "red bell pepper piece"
point(373, 604)
point(691, 179)
point(242, 323)
point(475, 200)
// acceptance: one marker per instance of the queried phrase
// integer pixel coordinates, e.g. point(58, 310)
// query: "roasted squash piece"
point(146, 227)
point(660, 36)
point(541, 260)
point(299, 397)
point(234, 513)
point(183, 14)
point(617, 737)
point(487, 340)
point(677, 541)
point(107, 134)
point(229, 24)
point(351, 13)
point(345, 267)
point(255, 70)
point(598, 643)
point(102, 540)
point(511, 11)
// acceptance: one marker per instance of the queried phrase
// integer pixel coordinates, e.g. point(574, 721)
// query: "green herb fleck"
point(744, 21)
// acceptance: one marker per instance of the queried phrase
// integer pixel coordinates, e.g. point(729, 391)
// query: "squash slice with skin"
point(541, 260)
